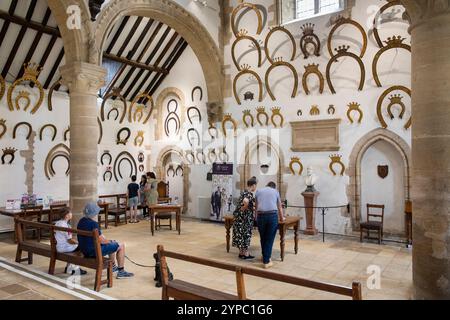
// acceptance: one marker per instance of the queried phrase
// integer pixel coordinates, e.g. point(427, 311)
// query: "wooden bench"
point(182, 290)
point(99, 263)
point(120, 208)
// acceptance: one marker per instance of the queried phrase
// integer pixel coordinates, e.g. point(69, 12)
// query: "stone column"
point(431, 147)
point(84, 80)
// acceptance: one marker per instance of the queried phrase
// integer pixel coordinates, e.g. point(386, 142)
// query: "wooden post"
point(356, 289)
point(164, 271)
point(240, 284)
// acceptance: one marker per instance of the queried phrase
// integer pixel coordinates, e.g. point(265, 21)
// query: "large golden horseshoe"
point(346, 54)
point(240, 74)
point(313, 69)
point(239, 8)
point(253, 40)
point(266, 42)
point(380, 102)
point(36, 82)
point(294, 73)
point(388, 5)
point(378, 55)
point(341, 22)
point(135, 100)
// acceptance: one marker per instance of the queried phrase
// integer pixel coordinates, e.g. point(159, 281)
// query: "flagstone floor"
point(340, 260)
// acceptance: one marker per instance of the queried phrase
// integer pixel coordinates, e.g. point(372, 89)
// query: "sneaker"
point(79, 271)
point(249, 257)
point(115, 268)
point(268, 265)
point(124, 274)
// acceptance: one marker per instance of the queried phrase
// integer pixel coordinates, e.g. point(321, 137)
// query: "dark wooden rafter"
point(117, 34)
point(133, 63)
point(19, 38)
point(55, 67)
point(149, 59)
point(11, 18)
point(5, 26)
point(129, 36)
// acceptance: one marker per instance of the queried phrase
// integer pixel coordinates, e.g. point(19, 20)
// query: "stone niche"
point(313, 136)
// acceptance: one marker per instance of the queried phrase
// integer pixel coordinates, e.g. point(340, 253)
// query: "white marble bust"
point(310, 180)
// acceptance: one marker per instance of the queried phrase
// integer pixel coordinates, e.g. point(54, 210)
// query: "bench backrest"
point(354, 291)
point(117, 198)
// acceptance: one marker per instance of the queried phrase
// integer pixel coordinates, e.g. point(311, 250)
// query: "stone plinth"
point(310, 201)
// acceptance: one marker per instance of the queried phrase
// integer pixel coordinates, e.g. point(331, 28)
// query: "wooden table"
point(155, 209)
point(283, 226)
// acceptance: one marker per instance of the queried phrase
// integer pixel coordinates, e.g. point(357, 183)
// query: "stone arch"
point(161, 174)
point(187, 26)
point(159, 126)
point(354, 167)
point(244, 166)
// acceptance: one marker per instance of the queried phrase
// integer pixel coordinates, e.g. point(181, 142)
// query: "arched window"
point(293, 10)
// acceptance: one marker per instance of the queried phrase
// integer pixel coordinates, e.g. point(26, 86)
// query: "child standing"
point(133, 199)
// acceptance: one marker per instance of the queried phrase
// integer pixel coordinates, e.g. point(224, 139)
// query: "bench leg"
point(51, 267)
point(360, 235)
point(18, 255)
point(98, 279)
point(170, 223)
point(30, 258)
point(109, 275)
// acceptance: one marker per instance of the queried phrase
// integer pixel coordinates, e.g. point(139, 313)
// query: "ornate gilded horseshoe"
point(8, 152)
point(190, 153)
point(65, 151)
point(22, 95)
point(354, 106)
point(262, 112)
point(189, 136)
point(278, 63)
point(130, 158)
point(388, 5)
point(197, 111)
point(3, 125)
point(296, 160)
point(30, 129)
point(212, 152)
point(243, 36)
point(247, 114)
point(203, 159)
point(135, 101)
point(100, 127)
point(48, 126)
point(110, 175)
point(239, 8)
point(118, 167)
point(392, 43)
point(227, 118)
point(170, 169)
point(139, 111)
point(50, 94)
point(246, 70)
point(271, 32)
point(106, 153)
point(2, 87)
point(114, 93)
point(60, 155)
point(31, 74)
point(139, 139)
point(380, 104)
point(335, 158)
point(396, 99)
point(65, 133)
point(193, 91)
point(341, 22)
point(223, 155)
point(119, 134)
point(343, 52)
point(173, 118)
point(179, 167)
point(109, 113)
point(313, 69)
point(213, 128)
point(276, 112)
point(309, 37)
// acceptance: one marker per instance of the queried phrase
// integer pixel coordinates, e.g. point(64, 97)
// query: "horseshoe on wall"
point(3, 125)
point(341, 21)
point(189, 136)
point(100, 127)
point(48, 126)
point(2, 87)
point(388, 5)
point(22, 95)
point(271, 32)
point(212, 152)
point(276, 112)
point(380, 104)
point(396, 99)
point(50, 94)
point(31, 74)
point(309, 37)
point(106, 153)
point(309, 70)
point(197, 111)
point(179, 167)
point(239, 8)
point(8, 152)
point(228, 118)
point(343, 52)
point(354, 106)
point(136, 99)
point(170, 169)
point(169, 118)
point(246, 70)
point(203, 159)
point(213, 128)
point(65, 133)
point(120, 162)
point(247, 114)
point(296, 160)
point(335, 158)
point(115, 92)
point(243, 36)
point(278, 63)
point(119, 134)
point(392, 43)
point(190, 153)
point(223, 155)
point(130, 158)
point(30, 129)
point(60, 155)
point(53, 153)
point(262, 112)
point(110, 175)
point(197, 88)
point(109, 113)
point(139, 139)
point(169, 103)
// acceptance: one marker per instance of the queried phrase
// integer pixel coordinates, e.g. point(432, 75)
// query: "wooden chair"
point(163, 192)
point(374, 222)
point(163, 216)
point(408, 221)
point(33, 214)
point(55, 212)
point(119, 210)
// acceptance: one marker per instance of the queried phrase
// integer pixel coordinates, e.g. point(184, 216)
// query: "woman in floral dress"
point(243, 220)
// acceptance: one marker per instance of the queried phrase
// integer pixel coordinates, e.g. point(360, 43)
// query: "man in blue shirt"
point(269, 210)
point(111, 248)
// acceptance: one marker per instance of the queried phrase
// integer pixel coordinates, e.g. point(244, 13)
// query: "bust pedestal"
point(310, 201)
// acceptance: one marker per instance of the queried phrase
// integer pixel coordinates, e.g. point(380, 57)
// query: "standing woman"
point(243, 220)
point(142, 200)
point(151, 190)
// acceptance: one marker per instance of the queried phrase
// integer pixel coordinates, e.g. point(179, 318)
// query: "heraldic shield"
point(383, 171)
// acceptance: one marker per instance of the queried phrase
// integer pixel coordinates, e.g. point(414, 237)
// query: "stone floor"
point(340, 260)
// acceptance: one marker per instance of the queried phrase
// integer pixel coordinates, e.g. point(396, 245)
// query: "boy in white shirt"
point(65, 242)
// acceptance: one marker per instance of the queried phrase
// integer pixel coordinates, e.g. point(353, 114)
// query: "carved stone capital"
point(421, 10)
point(83, 77)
